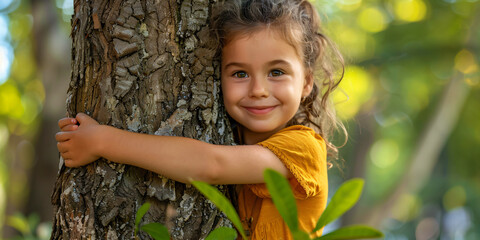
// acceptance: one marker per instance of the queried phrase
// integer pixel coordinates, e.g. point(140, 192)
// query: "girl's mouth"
point(259, 110)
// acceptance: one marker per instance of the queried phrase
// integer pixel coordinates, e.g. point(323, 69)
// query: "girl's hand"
point(78, 144)
point(67, 124)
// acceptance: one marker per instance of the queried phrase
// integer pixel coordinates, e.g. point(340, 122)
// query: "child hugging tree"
point(277, 76)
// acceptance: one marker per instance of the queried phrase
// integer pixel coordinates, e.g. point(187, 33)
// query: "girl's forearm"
point(178, 158)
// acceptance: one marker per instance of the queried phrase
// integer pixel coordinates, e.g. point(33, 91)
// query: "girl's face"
point(263, 81)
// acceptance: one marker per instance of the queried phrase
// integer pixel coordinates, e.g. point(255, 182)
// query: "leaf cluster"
point(344, 199)
point(29, 227)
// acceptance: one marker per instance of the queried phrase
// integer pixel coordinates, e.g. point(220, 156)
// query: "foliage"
point(283, 199)
point(221, 202)
point(401, 56)
point(345, 197)
point(156, 230)
point(222, 233)
point(29, 227)
point(352, 232)
point(22, 96)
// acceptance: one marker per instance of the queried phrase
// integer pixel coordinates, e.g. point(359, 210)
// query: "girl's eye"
point(275, 73)
point(240, 74)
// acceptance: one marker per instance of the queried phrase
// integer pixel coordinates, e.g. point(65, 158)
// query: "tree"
point(145, 66)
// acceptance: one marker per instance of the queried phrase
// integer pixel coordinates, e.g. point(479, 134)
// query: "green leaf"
point(345, 197)
point(222, 233)
point(140, 213)
point(33, 221)
point(300, 235)
point(222, 203)
point(352, 232)
point(20, 223)
point(282, 197)
point(156, 230)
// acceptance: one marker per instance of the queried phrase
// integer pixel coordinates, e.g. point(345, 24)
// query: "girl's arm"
point(179, 158)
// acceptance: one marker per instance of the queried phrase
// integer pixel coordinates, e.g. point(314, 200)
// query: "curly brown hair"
point(299, 24)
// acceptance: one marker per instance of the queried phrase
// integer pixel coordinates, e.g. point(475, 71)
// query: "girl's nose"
point(258, 88)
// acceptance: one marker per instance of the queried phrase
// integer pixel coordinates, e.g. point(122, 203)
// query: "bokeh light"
point(353, 41)
point(349, 5)
point(67, 9)
point(384, 153)
point(417, 93)
point(465, 62)
point(5, 3)
point(454, 197)
point(6, 51)
point(457, 222)
point(407, 208)
point(428, 228)
point(21, 26)
point(354, 90)
point(6, 56)
point(10, 101)
point(410, 10)
point(23, 66)
point(373, 19)
point(3, 26)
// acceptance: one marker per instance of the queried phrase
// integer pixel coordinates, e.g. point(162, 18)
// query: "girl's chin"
point(258, 133)
point(258, 129)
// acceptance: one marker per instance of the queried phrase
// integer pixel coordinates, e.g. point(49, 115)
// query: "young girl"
point(269, 50)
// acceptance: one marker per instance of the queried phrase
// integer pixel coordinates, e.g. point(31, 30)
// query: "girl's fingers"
point(66, 121)
point(62, 147)
point(69, 162)
point(83, 118)
point(63, 136)
point(69, 127)
point(67, 159)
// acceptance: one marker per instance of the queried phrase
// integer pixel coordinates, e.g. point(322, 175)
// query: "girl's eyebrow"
point(279, 61)
point(234, 64)
point(273, 62)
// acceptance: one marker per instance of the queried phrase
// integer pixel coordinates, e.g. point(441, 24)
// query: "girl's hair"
point(299, 24)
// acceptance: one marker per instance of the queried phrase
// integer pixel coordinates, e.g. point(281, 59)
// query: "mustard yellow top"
point(304, 153)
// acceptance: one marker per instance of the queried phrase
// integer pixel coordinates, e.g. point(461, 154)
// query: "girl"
point(269, 51)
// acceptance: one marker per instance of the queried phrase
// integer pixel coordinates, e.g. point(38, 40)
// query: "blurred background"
point(410, 100)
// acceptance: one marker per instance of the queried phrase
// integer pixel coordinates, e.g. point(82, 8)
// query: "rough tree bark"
point(144, 66)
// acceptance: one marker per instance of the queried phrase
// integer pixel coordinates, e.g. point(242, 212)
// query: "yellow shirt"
point(304, 153)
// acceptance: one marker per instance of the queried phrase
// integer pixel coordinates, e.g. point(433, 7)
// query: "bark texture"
point(144, 66)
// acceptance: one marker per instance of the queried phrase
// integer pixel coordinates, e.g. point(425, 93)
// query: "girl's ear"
point(308, 85)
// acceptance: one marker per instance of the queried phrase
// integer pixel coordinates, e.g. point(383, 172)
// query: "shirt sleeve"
point(303, 152)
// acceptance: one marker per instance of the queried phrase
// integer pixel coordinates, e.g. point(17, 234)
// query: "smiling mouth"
point(260, 110)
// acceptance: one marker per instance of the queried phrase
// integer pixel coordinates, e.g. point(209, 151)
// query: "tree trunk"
point(144, 66)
